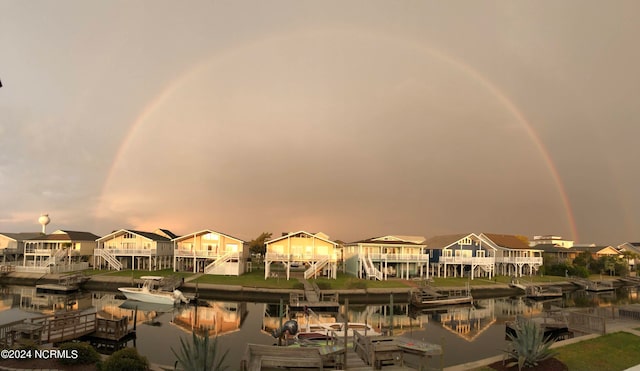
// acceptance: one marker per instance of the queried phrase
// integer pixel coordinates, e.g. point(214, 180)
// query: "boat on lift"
point(148, 292)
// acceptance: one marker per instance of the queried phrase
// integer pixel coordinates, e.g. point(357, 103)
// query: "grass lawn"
point(345, 282)
point(612, 352)
point(251, 279)
point(138, 274)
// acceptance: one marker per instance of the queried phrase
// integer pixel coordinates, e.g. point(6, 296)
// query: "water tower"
point(44, 220)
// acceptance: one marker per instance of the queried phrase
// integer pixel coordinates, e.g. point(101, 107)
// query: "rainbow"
point(469, 71)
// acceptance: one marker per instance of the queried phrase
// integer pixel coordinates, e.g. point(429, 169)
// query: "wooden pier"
point(62, 327)
point(364, 353)
point(313, 299)
point(66, 284)
point(597, 286)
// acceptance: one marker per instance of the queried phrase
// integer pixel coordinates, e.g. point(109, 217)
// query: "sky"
point(357, 119)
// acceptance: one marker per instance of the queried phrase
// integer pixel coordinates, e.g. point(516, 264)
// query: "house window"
point(480, 253)
point(129, 236)
point(465, 241)
point(211, 237)
point(446, 253)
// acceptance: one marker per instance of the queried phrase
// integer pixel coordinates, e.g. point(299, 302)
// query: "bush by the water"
point(126, 359)
point(86, 354)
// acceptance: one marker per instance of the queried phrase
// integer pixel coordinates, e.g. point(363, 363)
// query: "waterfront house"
point(210, 252)
point(513, 256)
point(314, 253)
point(461, 255)
point(132, 249)
point(60, 251)
point(12, 246)
point(551, 240)
point(633, 251)
point(387, 256)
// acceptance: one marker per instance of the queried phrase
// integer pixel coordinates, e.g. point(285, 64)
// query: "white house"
point(387, 256)
point(65, 250)
point(12, 246)
point(137, 250)
point(315, 252)
point(210, 252)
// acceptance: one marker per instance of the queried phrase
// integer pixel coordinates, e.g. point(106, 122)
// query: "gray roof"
point(68, 236)
point(22, 235)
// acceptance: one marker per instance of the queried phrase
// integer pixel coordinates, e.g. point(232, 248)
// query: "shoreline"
point(269, 295)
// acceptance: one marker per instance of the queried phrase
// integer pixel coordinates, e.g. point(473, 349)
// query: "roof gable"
point(203, 232)
point(443, 242)
point(301, 233)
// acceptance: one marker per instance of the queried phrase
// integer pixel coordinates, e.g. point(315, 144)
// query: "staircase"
point(316, 267)
point(109, 258)
point(216, 263)
point(370, 269)
point(53, 259)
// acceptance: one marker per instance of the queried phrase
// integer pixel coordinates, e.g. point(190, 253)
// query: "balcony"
point(467, 260)
point(520, 260)
point(188, 253)
point(399, 257)
point(130, 251)
point(271, 256)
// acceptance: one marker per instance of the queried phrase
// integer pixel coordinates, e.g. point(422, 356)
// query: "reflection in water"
point(467, 333)
point(215, 318)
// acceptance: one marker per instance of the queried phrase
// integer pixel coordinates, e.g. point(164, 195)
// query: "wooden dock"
point(66, 284)
point(313, 299)
point(596, 286)
point(61, 327)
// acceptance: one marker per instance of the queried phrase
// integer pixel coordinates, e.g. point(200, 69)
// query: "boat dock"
point(428, 297)
point(594, 285)
point(62, 327)
point(66, 284)
point(368, 353)
point(314, 299)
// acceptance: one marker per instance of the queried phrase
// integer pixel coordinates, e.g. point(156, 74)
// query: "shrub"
point(199, 354)
point(125, 359)
point(528, 345)
point(86, 354)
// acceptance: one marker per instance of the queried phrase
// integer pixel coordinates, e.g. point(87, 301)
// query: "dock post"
point(391, 314)
point(281, 314)
point(346, 329)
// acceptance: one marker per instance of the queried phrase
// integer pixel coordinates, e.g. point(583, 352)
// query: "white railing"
point(52, 269)
point(316, 266)
point(369, 268)
point(400, 257)
point(272, 256)
point(467, 260)
point(109, 258)
point(223, 259)
point(187, 253)
point(130, 251)
point(519, 260)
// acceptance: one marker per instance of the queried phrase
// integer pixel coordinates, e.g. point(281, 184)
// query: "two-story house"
point(59, 251)
point(387, 256)
point(210, 252)
point(137, 250)
point(315, 252)
point(461, 255)
point(12, 246)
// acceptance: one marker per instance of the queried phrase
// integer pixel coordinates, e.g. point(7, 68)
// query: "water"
point(467, 333)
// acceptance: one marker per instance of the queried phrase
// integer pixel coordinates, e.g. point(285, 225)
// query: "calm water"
point(466, 333)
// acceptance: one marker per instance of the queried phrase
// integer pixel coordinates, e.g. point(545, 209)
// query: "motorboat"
point(148, 293)
point(332, 330)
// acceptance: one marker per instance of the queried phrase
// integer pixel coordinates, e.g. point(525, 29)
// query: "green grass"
point(138, 274)
point(252, 279)
point(612, 352)
point(348, 282)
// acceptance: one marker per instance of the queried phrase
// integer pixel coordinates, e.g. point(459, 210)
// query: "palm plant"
point(200, 354)
point(528, 345)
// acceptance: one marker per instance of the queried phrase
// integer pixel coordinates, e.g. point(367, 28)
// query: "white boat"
point(149, 294)
point(321, 331)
